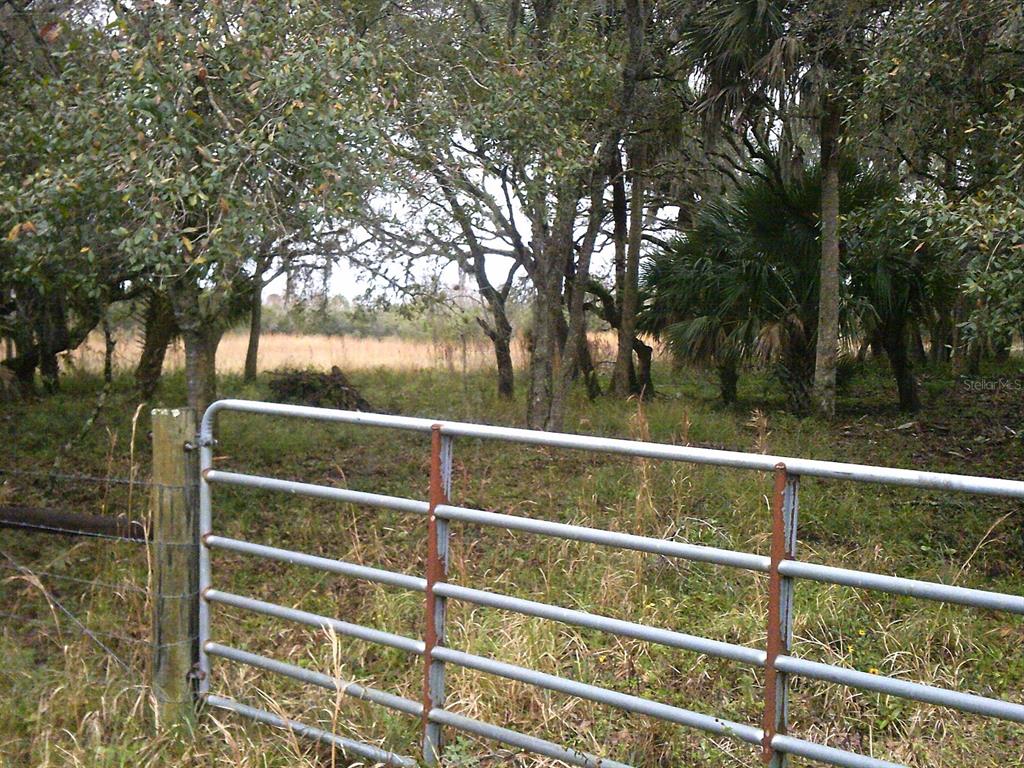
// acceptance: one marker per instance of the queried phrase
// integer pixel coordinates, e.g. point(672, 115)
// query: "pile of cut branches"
point(309, 387)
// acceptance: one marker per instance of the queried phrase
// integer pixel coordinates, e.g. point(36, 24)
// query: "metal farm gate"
point(781, 566)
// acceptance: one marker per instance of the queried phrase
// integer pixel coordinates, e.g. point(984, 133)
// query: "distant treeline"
point(339, 316)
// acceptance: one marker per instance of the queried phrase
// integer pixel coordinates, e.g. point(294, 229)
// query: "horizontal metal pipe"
point(694, 552)
point(409, 707)
point(522, 741)
point(623, 701)
point(357, 631)
point(965, 702)
point(665, 637)
point(319, 679)
point(350, 747)
point(330, 565)
point(317, 491)
point(830, 755)
point(897, 585)
point(629, 703)
point(808, 467)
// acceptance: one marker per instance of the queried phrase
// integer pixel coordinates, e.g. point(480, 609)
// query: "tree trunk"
point(620, 234)
point(201, 367)
point(52, 332)
point(109, 342)
point(920, 356)
point(542, 363)
point(587, 369)
point(576, 337)
point(941, 333)
point(828, 291)
point(160, 330)
point(501, 337)
point(728, 378)
point(642, 375)
point(960, 345)
point(201, 335)
point(1001, 350)
point(553, 248)
point(547, 305)
point(24, 368)
point(897, 349)
point(973, 359)
point(622, 383)
point(506, 371)
point(500, 333)
point(252, 351)
point(795, 369)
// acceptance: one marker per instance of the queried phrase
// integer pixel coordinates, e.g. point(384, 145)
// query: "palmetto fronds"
point(741, 285)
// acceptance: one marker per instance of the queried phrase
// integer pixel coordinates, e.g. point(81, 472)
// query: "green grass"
point(66, 703)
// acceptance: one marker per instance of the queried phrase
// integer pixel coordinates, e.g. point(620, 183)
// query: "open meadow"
point(757, 241)
point(74, 700)
point(286, 350)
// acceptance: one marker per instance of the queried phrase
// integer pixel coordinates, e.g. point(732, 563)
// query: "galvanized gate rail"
point(781, 566)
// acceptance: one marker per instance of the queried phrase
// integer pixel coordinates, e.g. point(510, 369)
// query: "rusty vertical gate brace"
point(785, 508)
point(435, 605)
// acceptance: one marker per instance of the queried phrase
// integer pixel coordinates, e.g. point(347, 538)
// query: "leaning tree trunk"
point(500, 334)
point(644, 382)
point(160, 330)
point(828, 290)
point(502, 341)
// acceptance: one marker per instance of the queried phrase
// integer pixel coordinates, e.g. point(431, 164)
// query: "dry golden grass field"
point(278, 350)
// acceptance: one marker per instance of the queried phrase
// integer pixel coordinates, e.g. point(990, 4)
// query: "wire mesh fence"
point(77, 577)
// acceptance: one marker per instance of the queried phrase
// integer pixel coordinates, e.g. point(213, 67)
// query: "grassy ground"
point(67, 702)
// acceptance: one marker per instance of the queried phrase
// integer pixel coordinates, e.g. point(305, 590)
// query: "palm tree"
point(895, 280)
point(772, 66)
point(741, 285)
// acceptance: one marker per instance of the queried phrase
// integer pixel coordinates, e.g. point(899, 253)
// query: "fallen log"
point(57, 521)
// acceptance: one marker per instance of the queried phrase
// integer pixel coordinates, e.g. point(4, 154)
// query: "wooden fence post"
point(175, 562)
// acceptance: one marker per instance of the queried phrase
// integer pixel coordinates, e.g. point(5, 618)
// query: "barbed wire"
point(92, 634)
point(90, 631)
point(53, 601)
point(79, 477)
